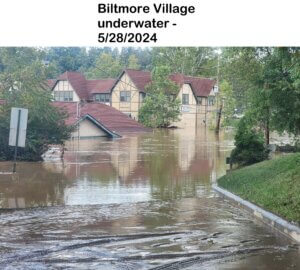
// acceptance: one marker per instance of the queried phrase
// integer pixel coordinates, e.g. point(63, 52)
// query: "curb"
point(283, 226)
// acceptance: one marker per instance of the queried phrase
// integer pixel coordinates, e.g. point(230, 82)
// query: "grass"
point(273, 185)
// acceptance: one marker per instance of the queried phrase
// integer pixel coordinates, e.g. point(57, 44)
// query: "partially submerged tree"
point(269, 80)
point(23, 85)
point(160, 107)
point(249, 144)
point(227, 99)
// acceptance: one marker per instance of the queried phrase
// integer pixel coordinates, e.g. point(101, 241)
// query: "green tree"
point(227, 98)
point(66, 58)
point(160, 108)
point(193, 61)
point(22, 84)
point(249, 144)
point(269, 80)
point(106, 67)
point(133, 62)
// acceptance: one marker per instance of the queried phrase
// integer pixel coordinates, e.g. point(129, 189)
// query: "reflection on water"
point(133, 203)
point(168, 164)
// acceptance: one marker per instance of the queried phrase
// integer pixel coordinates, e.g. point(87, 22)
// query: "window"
point(125, 96)
point(142, 97)
point(63, 95)
point(211, 101)
point(185, 99)
point(199, 100)
point(104, 98)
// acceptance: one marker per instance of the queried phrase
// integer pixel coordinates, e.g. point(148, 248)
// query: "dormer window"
point(63, 95)
point(63, 91)
point(103, 98)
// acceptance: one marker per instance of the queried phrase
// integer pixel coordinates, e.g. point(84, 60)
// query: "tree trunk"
point(219, 114)
point(267, 133)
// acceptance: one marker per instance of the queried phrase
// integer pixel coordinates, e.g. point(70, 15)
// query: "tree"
point(133, 62)
point(191, 61)
point(249, 144)
point(66, 58)
point(106, 67)
point(226, 97)
point(22, 84)
point(160, 108)
point(269, 80)
point(281, 82)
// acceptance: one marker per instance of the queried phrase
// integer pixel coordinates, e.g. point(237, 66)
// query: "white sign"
point(185, 108)
point(17, 113)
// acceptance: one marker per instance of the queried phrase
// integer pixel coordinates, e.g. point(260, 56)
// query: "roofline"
point(112, 134)
point(120, 76)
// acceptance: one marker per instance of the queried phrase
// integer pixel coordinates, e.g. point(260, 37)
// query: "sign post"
point(17, 134)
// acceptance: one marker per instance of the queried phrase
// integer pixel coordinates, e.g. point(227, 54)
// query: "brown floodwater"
point(139, 202)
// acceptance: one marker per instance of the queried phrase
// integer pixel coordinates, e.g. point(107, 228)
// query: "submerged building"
point(127, 93)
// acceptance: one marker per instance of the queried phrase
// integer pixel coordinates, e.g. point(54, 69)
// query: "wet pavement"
point(139, 202)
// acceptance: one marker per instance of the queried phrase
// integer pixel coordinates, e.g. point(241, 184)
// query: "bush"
point(249, 145)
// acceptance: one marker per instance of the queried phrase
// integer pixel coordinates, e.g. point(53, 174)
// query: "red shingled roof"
point(86, 88)
point(99, 86)
point(83, 87)
point(109, 117)
point(140, 78)
point(200, 86)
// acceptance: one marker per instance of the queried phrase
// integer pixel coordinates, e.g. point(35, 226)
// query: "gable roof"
point(84, 88)
point(109, 117)
point(200, 86)
point(140, 78)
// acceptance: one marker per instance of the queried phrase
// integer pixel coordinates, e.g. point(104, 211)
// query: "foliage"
point(249, 145)
point(281, 79)
point(272, 184)
point(106, 67)
point(226, 96)
point(22, 84)
point(269, 80)
point(193, 61)
point(160, 108)
point(66, 58)
point(86, 60)
point(133, 62)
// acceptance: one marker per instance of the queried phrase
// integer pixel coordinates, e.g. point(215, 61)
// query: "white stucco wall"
point(88, 129)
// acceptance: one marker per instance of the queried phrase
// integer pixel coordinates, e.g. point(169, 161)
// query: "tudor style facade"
point(127, 93)
point(197, 95)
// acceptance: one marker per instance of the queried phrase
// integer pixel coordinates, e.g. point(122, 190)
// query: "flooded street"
point(139, 202)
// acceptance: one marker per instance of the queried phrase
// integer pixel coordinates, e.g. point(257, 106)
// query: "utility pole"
point(219, 106)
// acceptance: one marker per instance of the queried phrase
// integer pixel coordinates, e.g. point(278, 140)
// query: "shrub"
point(249, 145)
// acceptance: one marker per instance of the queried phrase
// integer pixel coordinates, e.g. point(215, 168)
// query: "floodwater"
point(139, 202)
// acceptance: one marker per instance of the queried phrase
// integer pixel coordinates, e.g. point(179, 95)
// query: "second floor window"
point(211, 101)
point(185, 99)
point(63, 95)
point(125, 96)
point(199, 100)
point(104, 98)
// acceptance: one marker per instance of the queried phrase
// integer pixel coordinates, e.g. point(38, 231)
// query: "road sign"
point(18, 126)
